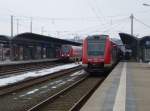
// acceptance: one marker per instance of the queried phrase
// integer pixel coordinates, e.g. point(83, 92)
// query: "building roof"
point(128, 39)
point(32, 37)
point(144, 39)
point(131, 43)
point(4, 38)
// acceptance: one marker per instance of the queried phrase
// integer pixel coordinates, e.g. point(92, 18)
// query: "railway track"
point(15, 69)
point(71, 98)
point(32, 81)
point(23, 99)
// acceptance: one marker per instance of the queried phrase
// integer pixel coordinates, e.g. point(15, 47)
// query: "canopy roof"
point(3, 38)
point(31, 37)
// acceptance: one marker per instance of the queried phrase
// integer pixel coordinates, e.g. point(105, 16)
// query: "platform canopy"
point(32, 37)
point(128, 39)
point(145, 41)
point(4, 39)
point(130, 42)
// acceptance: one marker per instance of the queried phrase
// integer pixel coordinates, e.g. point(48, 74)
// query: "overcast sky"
point(67, 18)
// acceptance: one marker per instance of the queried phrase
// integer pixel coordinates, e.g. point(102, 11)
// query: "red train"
point(99, 53)
point(72, 53)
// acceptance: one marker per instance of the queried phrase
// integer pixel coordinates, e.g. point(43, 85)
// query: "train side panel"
point(108, 56)
point(84, 54)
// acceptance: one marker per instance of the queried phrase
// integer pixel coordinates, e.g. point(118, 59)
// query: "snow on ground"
point(13, 79)
point(52, 85)
point(30, 92)
point(78, 73)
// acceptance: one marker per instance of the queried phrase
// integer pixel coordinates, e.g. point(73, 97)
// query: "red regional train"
point(100, 53)
point(70, 53)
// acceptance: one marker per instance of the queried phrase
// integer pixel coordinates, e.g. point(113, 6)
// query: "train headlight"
point(62, 55)
point(68, 55)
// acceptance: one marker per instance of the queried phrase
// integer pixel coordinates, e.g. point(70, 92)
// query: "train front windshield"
point(96, 47)
point(65, 49)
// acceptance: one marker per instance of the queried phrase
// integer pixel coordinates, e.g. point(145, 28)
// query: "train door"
point(113, 54)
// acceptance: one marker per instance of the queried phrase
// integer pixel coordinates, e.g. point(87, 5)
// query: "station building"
point(30, 46)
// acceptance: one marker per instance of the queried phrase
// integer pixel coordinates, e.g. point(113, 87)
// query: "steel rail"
point(32, 81)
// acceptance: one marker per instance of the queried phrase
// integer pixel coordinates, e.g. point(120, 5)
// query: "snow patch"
point(30, 92)
point(43, 72)
point(54, 87)
point(44, 87)
point(78, 73)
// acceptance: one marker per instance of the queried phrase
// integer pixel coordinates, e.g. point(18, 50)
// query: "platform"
point(4, 63)
point(127, 88)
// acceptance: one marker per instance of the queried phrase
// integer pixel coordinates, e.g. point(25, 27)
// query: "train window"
point(96, 48)
point(96, 45)
point(65, 49)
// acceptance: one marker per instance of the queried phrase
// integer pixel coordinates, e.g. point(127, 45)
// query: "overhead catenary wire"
point(105, 25)
point(99, 10)
point(93, 10)
point(148, 26)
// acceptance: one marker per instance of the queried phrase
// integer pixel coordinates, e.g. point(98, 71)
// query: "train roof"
point(96, 36)
point(114, 40)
